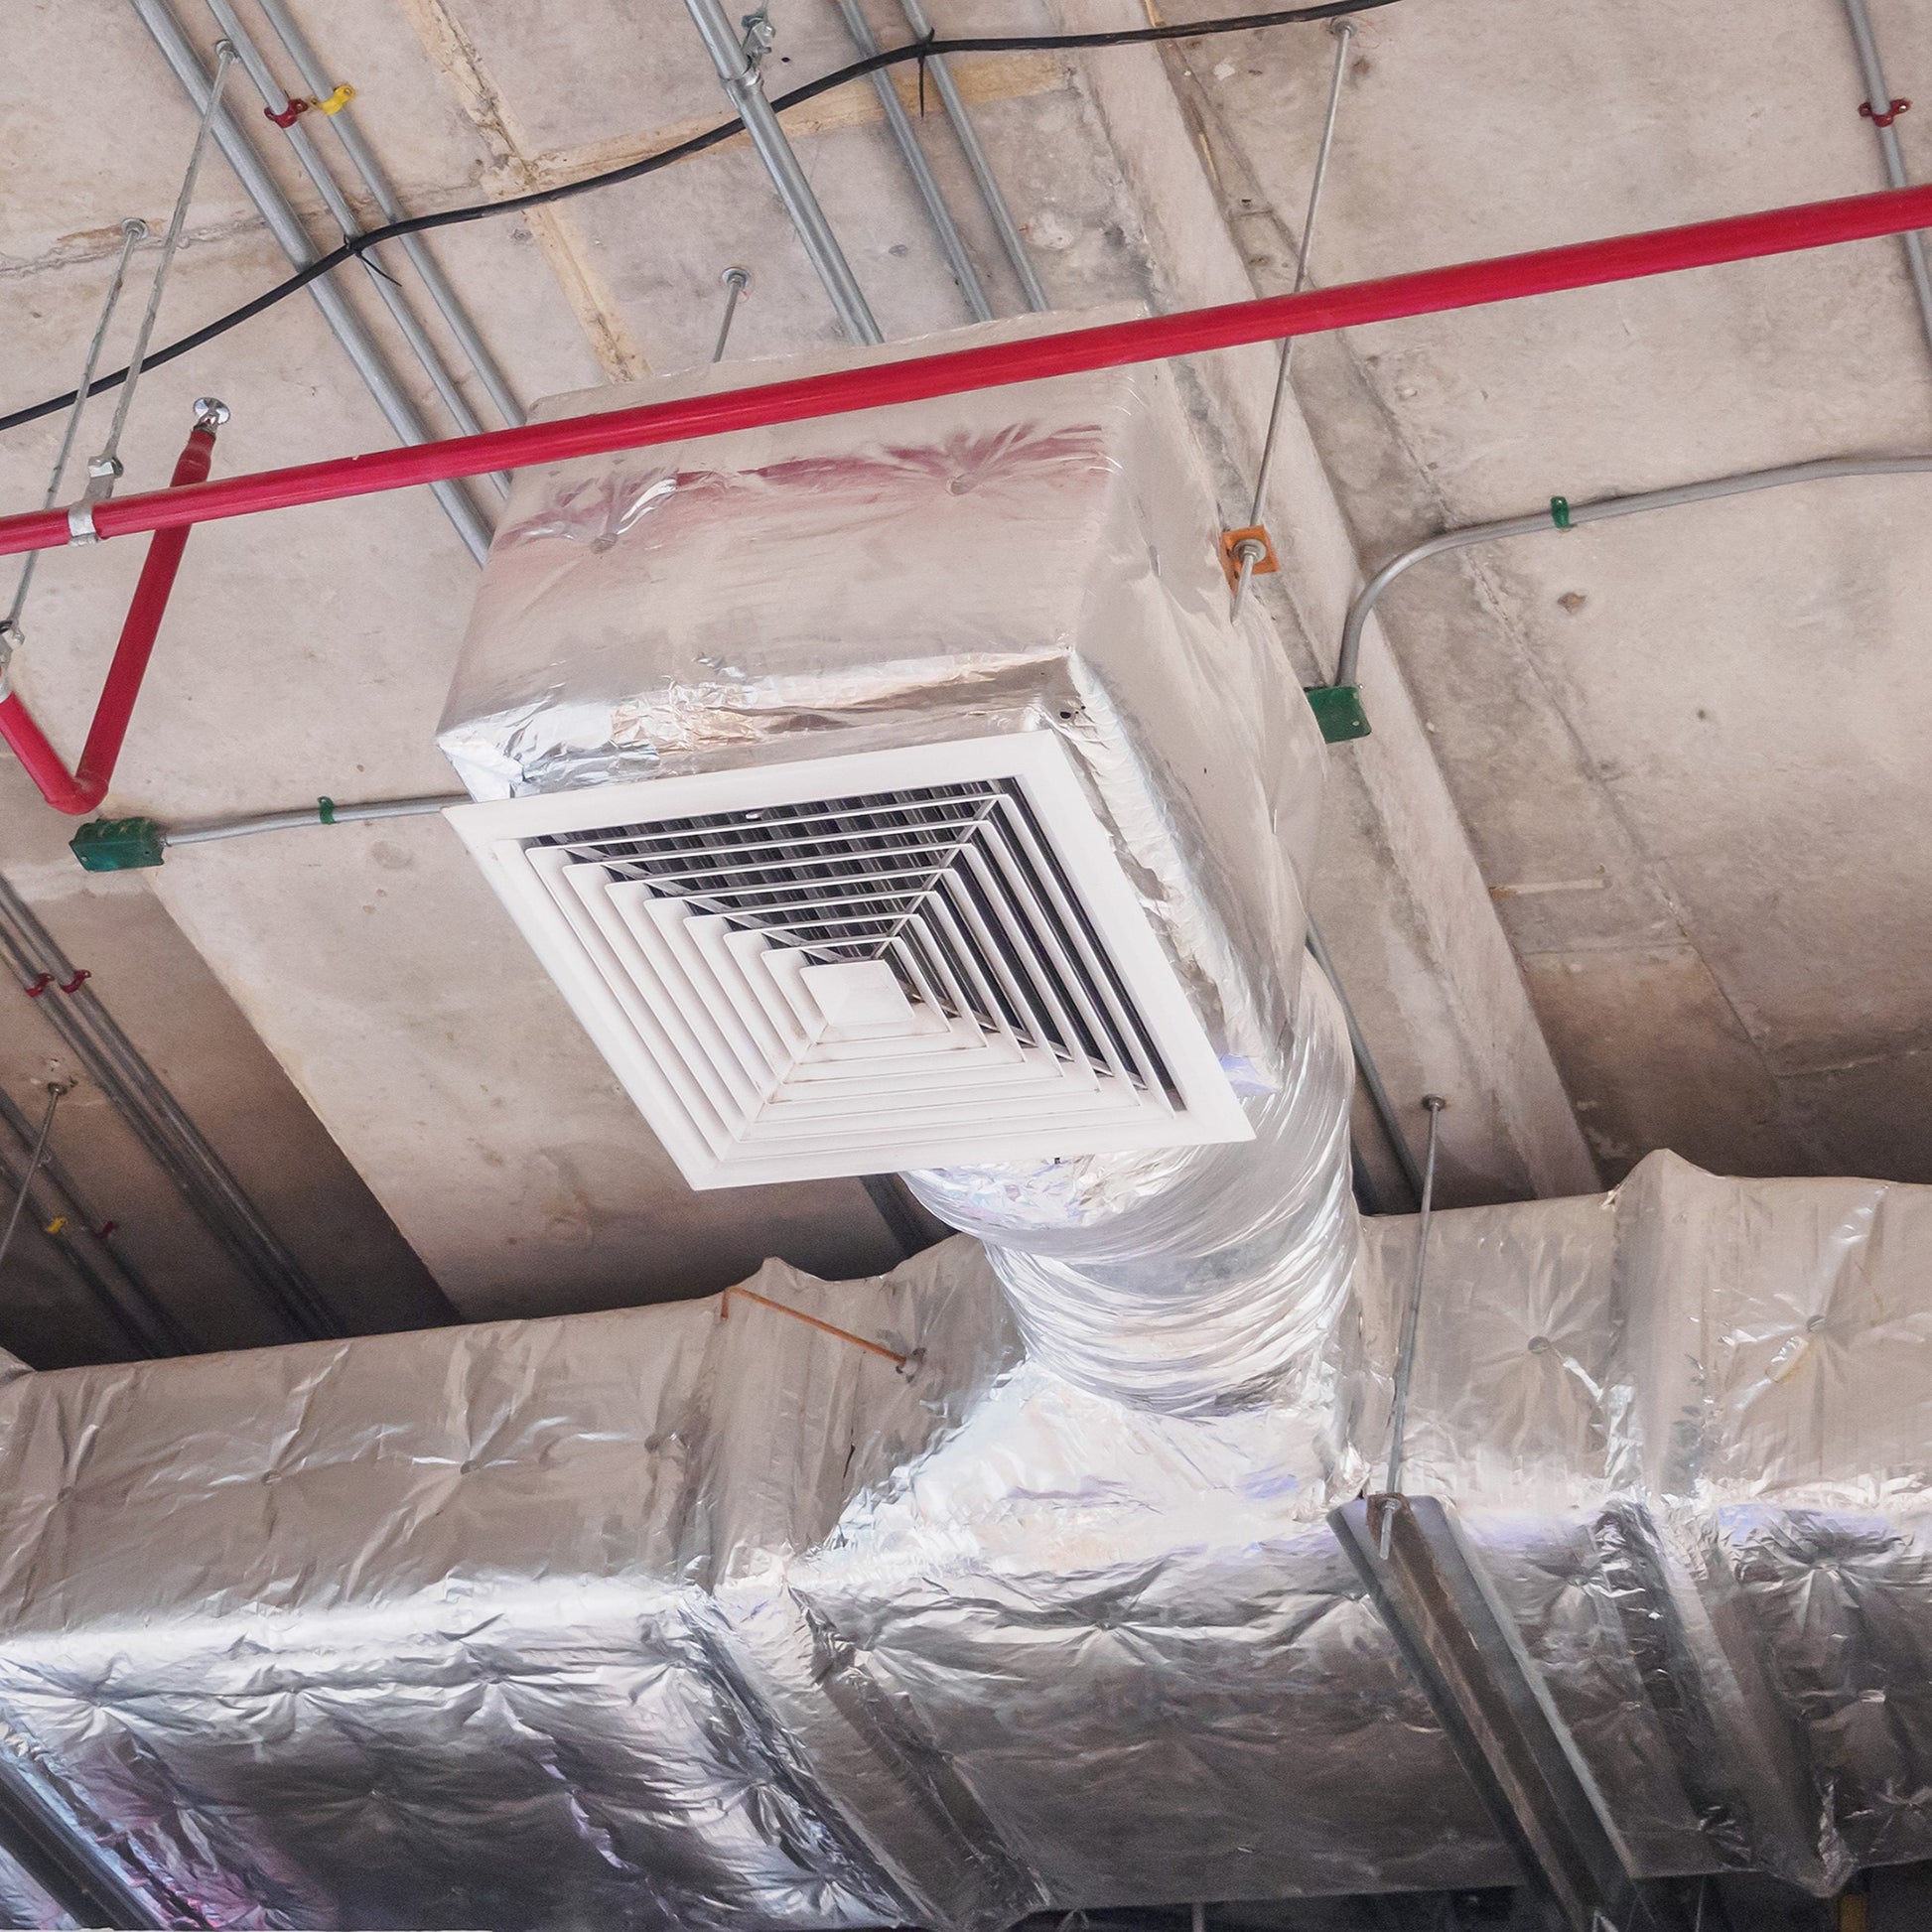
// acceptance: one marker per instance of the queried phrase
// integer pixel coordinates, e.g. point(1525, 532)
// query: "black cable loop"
point(921, 50)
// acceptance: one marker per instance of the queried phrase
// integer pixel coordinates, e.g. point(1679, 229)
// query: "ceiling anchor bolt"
point(737, 283)
point(1246, 553)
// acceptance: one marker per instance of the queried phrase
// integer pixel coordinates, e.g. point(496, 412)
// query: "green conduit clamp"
point(1338, 711)
point(118, 844)
point(326, 811)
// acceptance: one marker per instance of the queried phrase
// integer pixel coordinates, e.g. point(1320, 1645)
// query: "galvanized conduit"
point(119, 1286)
point(981, 169)
point(156, 1118)
point(387, 288)
point(1880, 111)
point(286, 227)
point(952, 243)
point(202, 831)
point(738, 72)
point(1565, 515)
point(362, 159)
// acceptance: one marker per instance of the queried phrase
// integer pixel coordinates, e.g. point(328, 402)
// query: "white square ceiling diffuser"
point(861, 964)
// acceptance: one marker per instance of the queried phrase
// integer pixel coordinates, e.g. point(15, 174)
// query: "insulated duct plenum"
point(1038, 559)
point(427, 1629)
point(1041, 559)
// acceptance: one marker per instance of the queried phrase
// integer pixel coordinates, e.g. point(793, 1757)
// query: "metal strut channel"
point(74, 1871)
point(1486, 1692)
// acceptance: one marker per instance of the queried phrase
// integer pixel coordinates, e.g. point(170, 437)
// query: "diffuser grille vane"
point(870, 977)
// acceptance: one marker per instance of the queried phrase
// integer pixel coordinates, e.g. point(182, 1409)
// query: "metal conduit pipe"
point(286, 227)
point(952, 244)
point(1465, 285)
point(362, 159)
point(1573, 515)
point(79, 1238)
point(739, 73)
point(134, 843)
point(156, 1118)
point(981, 169)
point(387, 288)
point(1881, 110)
point(1373, 1084)
point(323, 812)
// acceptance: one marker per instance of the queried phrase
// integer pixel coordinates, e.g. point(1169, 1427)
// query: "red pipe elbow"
point(81, 790)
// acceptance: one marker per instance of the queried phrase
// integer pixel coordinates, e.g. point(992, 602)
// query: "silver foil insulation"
point(1037, 558)
point(698, 1616)
point(1190, 1278)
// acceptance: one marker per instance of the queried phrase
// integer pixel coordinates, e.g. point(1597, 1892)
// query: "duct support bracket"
point(1338, 711)
point(1489, 1697)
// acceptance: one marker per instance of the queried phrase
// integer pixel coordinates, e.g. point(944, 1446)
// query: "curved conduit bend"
point(1575, 515)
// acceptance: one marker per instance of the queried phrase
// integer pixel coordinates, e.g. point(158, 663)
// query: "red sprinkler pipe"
point(1587, 264)
point(82, 789)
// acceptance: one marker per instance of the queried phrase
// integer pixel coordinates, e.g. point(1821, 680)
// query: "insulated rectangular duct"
point(697, 1618)
point(895, 790)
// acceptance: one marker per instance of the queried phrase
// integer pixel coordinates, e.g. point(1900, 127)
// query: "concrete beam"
point(1401, 899)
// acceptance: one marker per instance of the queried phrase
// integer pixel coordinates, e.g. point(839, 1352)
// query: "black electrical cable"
point(920, 50)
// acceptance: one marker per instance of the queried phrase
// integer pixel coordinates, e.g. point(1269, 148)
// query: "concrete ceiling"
point(1704, 729)
point(1697, 737)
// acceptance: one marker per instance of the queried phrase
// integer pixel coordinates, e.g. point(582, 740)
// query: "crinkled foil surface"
point(1189, 1279)
point(701, 1617)
point(1040, 557)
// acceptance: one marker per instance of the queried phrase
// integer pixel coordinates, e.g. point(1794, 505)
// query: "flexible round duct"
point(1187, 1279)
